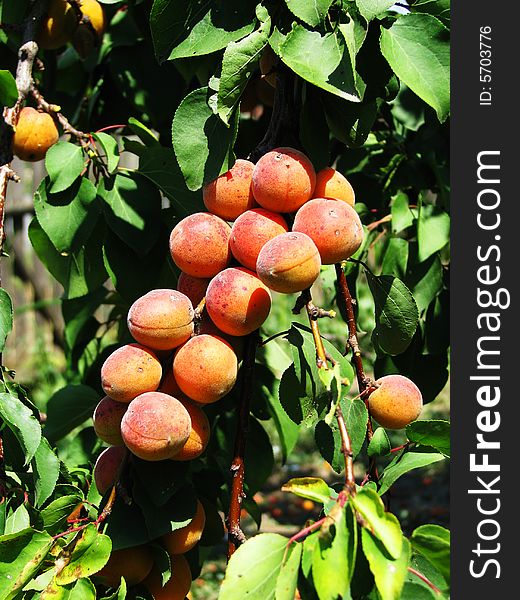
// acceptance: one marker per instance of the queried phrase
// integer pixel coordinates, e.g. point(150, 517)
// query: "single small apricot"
point(283, 180)
point(235, 341)
point(134, 564)
point(237, 301)
point(35, 133)
point(332, 184)
point(90, 29)
point(289, 263)
point(184, 539)
point(199, 245)
point(251, 231)
point(129, 371)
point(58, 26)
point(199, 435)
point(205, 368)
point(193, 287)
point(161, 319)
point(396, 402)
point(107, 466)
point(333, 226)
point(107, 420)
point(94, 11)
point(155, 426)
point(177, 587)
point(229, 195)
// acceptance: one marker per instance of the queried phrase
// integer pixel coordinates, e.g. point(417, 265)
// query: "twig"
point(346, 449)
point(313, 313)
point(55, 113)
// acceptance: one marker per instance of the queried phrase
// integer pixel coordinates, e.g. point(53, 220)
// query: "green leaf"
point(413, 591)
point(425, 281)
point(311, 12)
point(312, 488)
point(8, 89)
point(379, 444)
point(109, 146)
point(434, 433)
point(21, 554)
point(253, 569)
point(389, 573)
point(201, 141)
point(417, 47)
point(79, 315)
point(288, 576)
point(69, 407)
point(395, 258)
point(146, 135)
point(64, 163)
point(433, 542)
point(404, 463)
point(55, 514)
point(21, 421)
point(433, 231)
point(396, 313)
point(119, 594)
point(187, 29)
point(437, 8)
point(402, 216)
point(46, 470)
point(373, 8)
point(18, 520)
point(6, 317)
point(83, 589)
point(287, 429)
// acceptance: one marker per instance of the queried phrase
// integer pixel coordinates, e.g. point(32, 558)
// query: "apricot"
point(251, 231)
point(193, 287)
point(283, 180)
point(396, 402)
point(90, 31)
point(332, 184)
point(199, 245)
point(177, 587)
point(107, 466)
point(289, 263)
point(155, 426)
point(237, 301)
point(205, 368)
point(236, 342)
point(170, 386)
point(184, 539)
point(230, 195)
point(58, 26)
point(35, 133)
point(94, 11)
point(107, 420)
point(199, 435)
point(161, 319)
point(129, 371)
point(333, 226)
point(134, 564)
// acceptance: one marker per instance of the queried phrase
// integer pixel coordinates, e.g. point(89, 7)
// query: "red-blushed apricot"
point(107, 466)
point(155, 426)
point(134, 564)
point(205, 368)
point(129, 371)
point(229, 195)
point(199, 245)
point(161, 319)
point(237, 301)
point(193, 287)
point(251, 231)
point(177, 587)
point(332, 184)
point(107, 420)
point(34, 134)
point(184, 539)
point(199, 435)
point(283, 180)
point(289, 263)
point(236, 342)
point(333, 226)
point(58, 26)
point(396, 402)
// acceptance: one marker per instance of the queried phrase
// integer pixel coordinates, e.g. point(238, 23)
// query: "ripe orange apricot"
point(90, 31)
point(199, 245)
point(333, 226)
point(237, 301)
point(184, 539)
point(35, 133)
point(94, 11)
point(199, 435)
point(107, 420)
point(289, 263)
point(332, 184)
point(193, 287)
point(205, 368)
point(107, 466)
point(229, 195)
point(283, 180)
point(155, 426)
point(58, 26)
point(396, 402)
point(161, 319)
point(177, 587)
point(251, 231)
point(129, 371)
point(236, 342)
point(134, 564)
